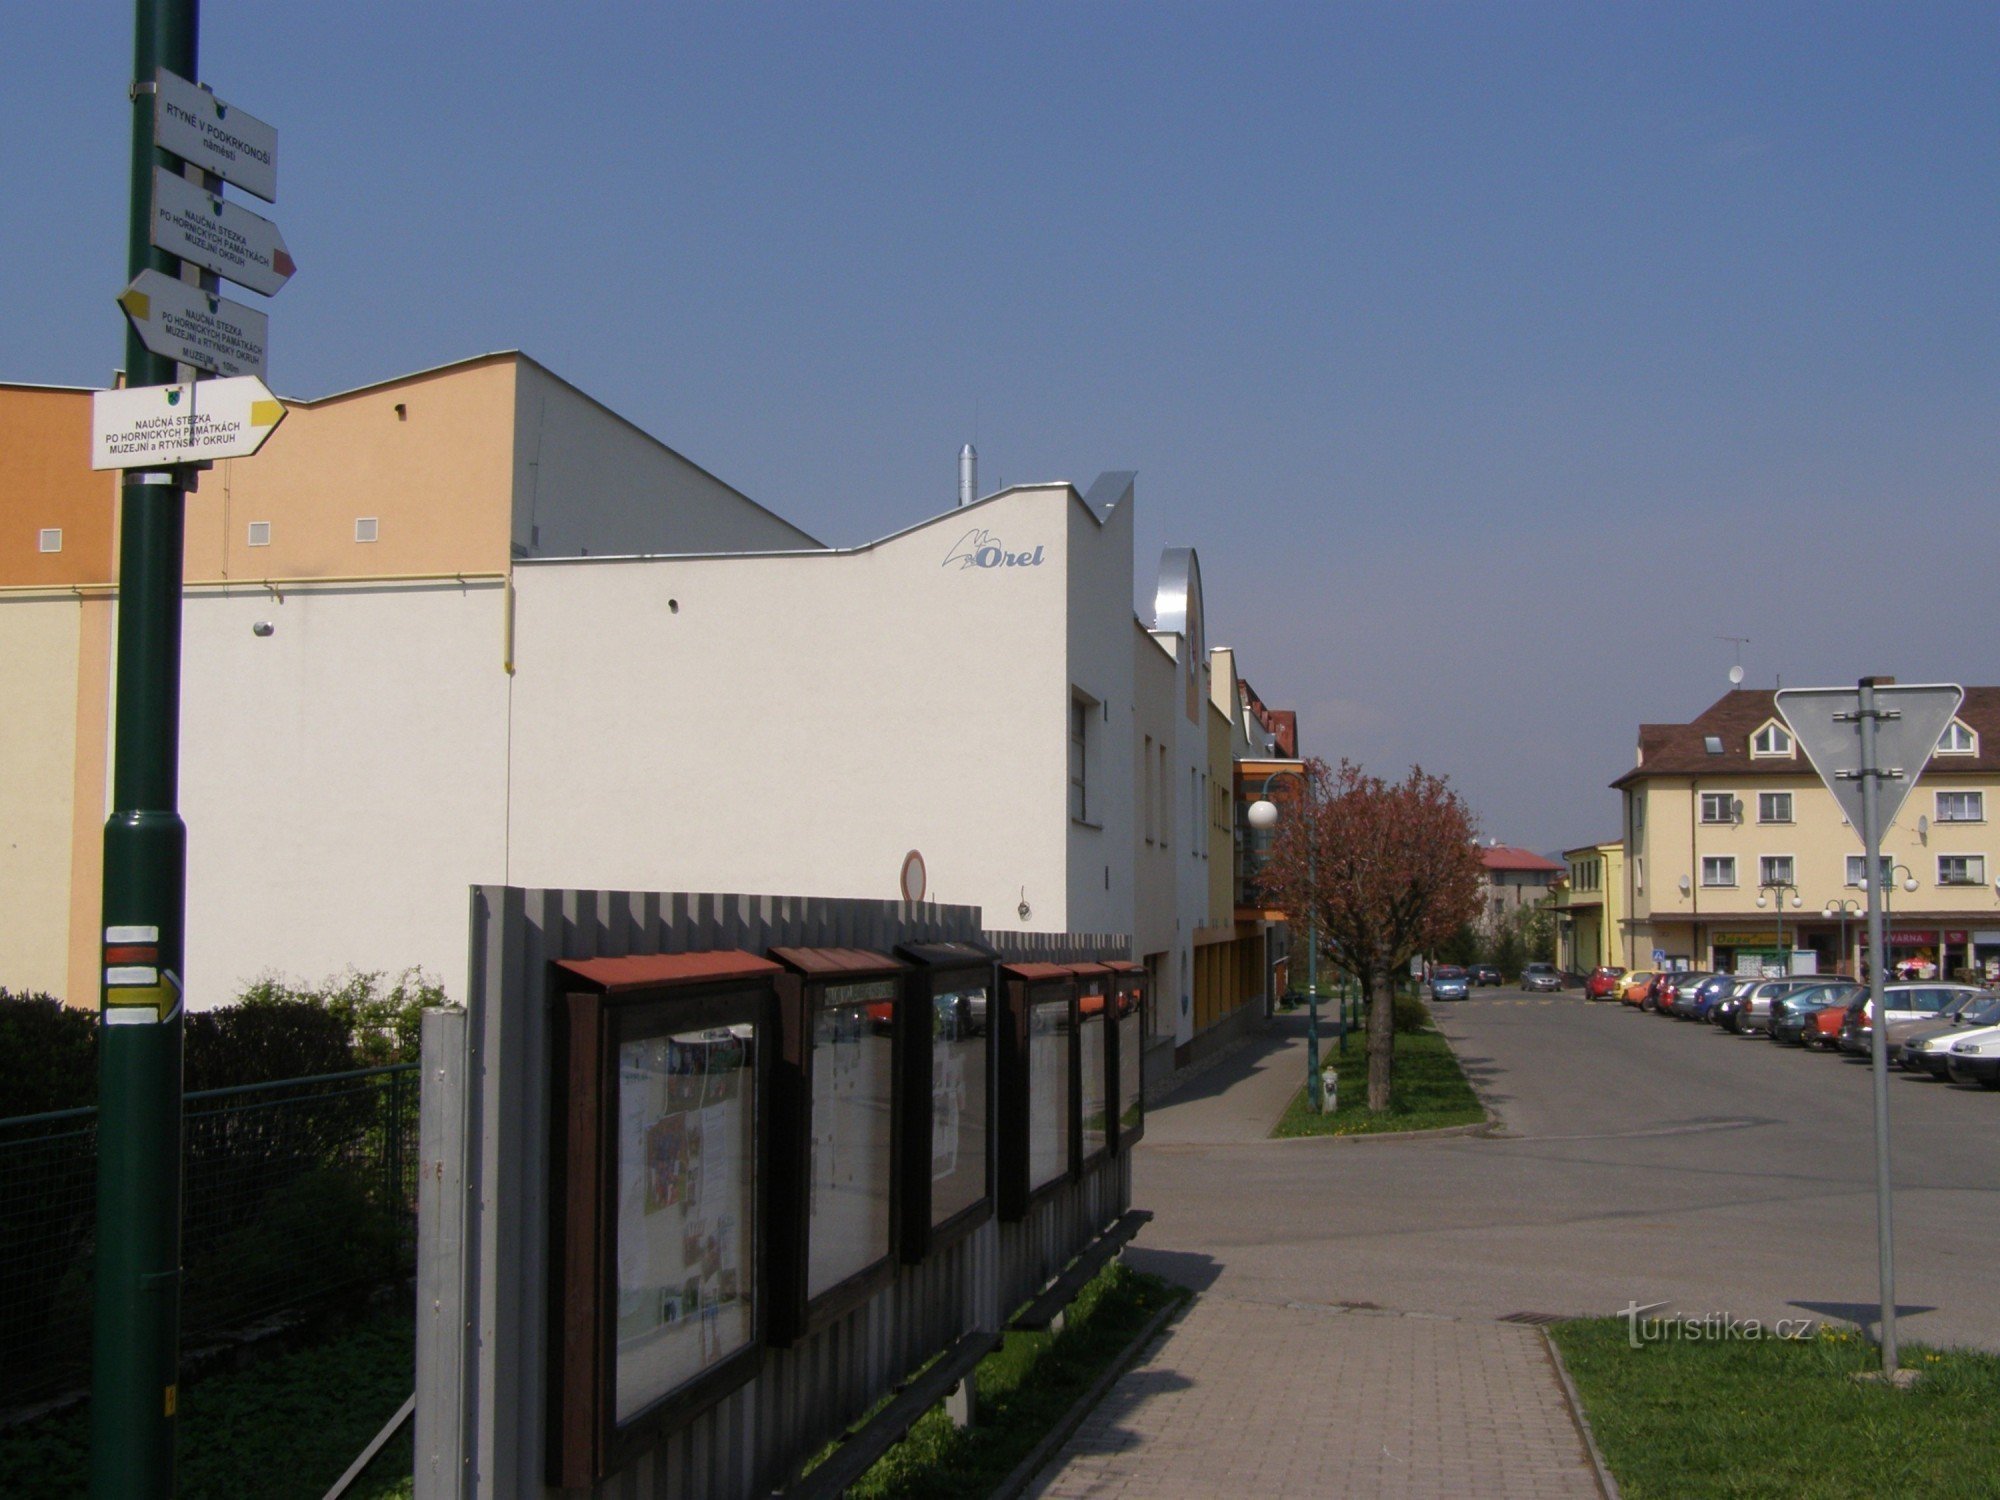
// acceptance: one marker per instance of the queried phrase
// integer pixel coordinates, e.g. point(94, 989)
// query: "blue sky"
point(1496, 359)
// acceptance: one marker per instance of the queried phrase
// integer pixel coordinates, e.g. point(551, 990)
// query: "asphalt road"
point(1638, 1160)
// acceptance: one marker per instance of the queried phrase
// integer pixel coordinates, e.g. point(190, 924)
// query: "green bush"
point(275, 1029)
point(51, 1055)
point(1410, 1015)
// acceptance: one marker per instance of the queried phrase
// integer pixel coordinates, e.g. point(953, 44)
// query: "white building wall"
point(588, 482)
point(799, 723)
point(1099, 607)
point(343, 780)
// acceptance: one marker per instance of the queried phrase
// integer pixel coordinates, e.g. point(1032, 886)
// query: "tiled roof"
point(1508, 857)
point(1681, 750)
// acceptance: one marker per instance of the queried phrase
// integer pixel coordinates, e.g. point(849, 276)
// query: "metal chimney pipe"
point(968, 475)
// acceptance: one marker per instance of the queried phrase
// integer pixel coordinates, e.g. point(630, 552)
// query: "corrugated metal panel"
point(755, 1439)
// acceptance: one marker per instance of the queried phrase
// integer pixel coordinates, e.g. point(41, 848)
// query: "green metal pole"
point(135, 1353)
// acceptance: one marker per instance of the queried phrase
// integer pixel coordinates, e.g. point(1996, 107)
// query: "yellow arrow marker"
point(125, 1005)
point(138, 304)
point(266, 413)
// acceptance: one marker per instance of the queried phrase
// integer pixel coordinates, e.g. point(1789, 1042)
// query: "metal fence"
point(293, 1192)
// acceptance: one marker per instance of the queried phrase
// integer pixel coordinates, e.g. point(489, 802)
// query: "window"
point(1957, 740)
point(1194, 811)
point(260, 533)
point(51, 539)
point(1857, 869)
point(1772, 739)
point(1718, 869)
point(1718, 807)
point(1079, 731)
point(1635, 838)
point(1146, 768)
point(1961, 807)
point(1774, 869)
point(1774, 807)
point(365, 528)
point(1166, 790)
point(1961, 869)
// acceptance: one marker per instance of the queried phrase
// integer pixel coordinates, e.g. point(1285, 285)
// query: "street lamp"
point(1843, 910)
point(1888, 888)
point(1777, 891)
point(1264, 815)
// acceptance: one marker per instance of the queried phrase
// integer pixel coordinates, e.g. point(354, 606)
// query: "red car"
point(1603, 982)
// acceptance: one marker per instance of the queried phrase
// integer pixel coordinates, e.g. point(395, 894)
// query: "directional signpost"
point(142, 426)
point(1869, 744)
point(218, 236)
point(180, 237)
point(199, 128)
point(193, 327)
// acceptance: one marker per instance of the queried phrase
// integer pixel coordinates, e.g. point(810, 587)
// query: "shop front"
point(1930, 952)
point(1753, 951)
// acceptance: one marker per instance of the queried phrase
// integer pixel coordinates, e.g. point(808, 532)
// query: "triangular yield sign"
point(1825, 723)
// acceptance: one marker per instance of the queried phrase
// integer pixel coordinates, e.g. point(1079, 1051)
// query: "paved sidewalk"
point(1248, 1396)
point(1245, 1400)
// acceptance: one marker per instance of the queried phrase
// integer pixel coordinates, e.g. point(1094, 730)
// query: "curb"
point(1029, 1469)
point(1606, 1485)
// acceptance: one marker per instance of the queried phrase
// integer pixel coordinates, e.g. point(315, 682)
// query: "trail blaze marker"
point(141, 426)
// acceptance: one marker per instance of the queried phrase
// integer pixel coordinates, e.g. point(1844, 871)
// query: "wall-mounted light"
point(263, 627)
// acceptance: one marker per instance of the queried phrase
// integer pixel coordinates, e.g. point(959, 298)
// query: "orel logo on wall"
point(981, 549)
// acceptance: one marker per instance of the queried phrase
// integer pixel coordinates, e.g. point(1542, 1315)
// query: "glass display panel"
point(958, 1100)
point(687, 1111)
point(1131, 1064)
point(1096, 1080)
point(853, 1079)
point(1049, 1042)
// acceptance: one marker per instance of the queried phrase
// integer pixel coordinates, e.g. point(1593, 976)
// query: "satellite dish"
point(1735, 676)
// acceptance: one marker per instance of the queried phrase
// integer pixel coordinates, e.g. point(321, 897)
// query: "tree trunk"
point(1381, 1038)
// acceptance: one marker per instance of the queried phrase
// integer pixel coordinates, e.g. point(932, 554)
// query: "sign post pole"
point(135, 1353)
point(1878, 1046)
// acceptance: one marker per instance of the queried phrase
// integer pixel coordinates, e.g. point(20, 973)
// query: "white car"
point(1974, 1057)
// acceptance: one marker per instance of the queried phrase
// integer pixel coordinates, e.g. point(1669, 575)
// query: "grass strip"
point(1026, 1387)
point(283, 1429)
point(1429, 1091)
point(1782, 1418)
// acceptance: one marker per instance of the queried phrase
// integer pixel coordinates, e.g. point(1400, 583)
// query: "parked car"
point(1823, 1028)
point(1542, 978)
point(1448, 982)
point(1900, 1002)
point(1667, 998)
point(1975, 1058)
point(1792, 1015)
point(1754, 1014)
point(1636, 988)
point(1694, 1001)
point(1603, 982)
point(1722, 1012)
point(1922, 1046)
point(1483, 974)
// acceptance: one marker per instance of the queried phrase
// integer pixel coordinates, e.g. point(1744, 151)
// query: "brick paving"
point(1252, 1394)
point(1245, 1400)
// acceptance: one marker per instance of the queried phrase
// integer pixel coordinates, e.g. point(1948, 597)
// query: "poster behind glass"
point(687, 1111)
point(1049, 1042)
point(1096, 1068)
point(958, 1099)
point(853, 1077)
point(1131, 1061)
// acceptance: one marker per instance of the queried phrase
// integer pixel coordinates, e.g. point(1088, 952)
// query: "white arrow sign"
point(198, 127)
point(1827, 725)
point(184, 323)
point(145, 425)
point(218, 236)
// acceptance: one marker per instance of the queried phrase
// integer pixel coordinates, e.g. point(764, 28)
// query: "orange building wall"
point(46, 480)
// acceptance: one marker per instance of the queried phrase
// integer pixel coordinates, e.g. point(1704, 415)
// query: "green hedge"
point(275, 1029)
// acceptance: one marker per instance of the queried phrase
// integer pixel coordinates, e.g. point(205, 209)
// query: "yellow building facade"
point(1737, 857)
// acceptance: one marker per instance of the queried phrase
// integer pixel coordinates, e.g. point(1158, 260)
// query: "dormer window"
point(1772, 740)
point(1957, 739)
